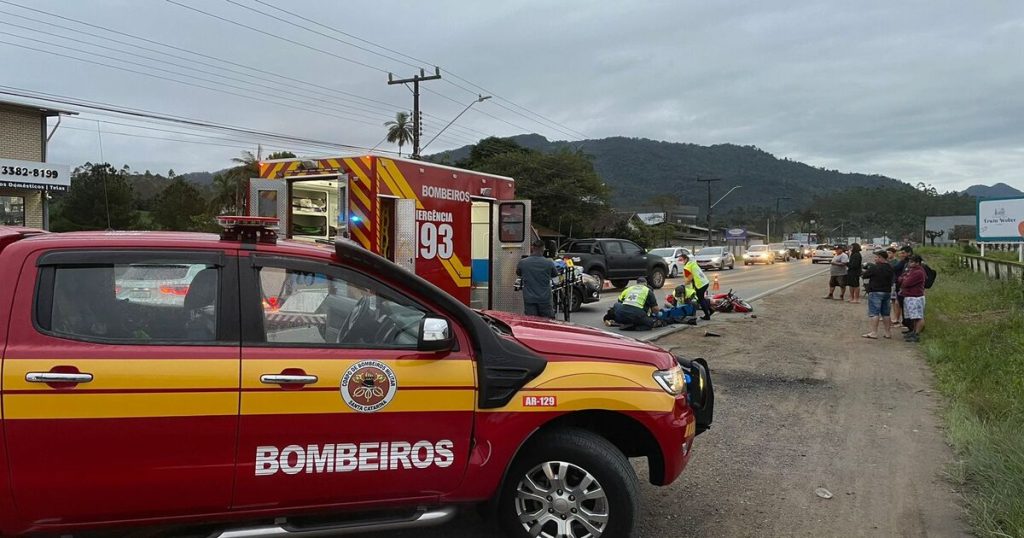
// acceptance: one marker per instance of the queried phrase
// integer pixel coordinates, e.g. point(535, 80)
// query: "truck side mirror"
point(435, 335)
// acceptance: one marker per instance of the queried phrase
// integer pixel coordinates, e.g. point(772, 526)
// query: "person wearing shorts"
point(879, 289)
point(837, 274)
point(912, 292)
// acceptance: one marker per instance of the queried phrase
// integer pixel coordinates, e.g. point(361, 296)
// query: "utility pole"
point(416, 127)
point(708, 181)
point(777, 200)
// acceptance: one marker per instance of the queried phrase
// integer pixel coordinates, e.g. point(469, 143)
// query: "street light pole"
point(777, 200)
point(708, 181)
point(479, 99)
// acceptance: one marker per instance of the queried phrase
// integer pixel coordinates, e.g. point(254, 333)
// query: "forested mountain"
point(637, 169)
point(999, 190)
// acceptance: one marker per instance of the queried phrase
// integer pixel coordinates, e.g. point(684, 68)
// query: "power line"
point(421, 61)
point(181, 120)
point(320, 112)
point(199, 54)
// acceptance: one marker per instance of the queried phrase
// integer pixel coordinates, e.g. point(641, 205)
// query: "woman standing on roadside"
point(853, 271)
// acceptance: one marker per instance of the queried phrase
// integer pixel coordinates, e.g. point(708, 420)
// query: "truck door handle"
point(57, 377)
point(286, 379)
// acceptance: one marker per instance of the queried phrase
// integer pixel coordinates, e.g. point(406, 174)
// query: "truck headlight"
point(671, 380)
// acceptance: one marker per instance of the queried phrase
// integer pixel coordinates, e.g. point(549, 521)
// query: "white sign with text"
point(15, 174)
point(1001, 220)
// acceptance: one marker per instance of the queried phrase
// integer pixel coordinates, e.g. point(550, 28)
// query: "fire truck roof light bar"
point(248, 229)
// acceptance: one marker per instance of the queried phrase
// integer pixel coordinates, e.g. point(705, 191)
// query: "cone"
point(714, 284)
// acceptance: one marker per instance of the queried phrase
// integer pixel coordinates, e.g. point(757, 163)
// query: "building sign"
point(33, 175)
point(735, 234)
point(1001, 220)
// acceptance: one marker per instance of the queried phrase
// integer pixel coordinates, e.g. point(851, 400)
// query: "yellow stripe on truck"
point(123, 405)
point(582, 400)
point(409, 373)
point(131, 374)
point(293, 402)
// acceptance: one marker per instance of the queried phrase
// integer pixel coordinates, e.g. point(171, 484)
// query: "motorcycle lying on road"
point(729, 302)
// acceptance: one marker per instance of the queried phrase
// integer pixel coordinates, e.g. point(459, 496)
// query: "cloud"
point(923, 91)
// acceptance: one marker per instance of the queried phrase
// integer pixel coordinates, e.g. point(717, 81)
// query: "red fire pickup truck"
point(173, 384)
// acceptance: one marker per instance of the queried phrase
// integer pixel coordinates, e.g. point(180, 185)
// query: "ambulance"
point(462, 230)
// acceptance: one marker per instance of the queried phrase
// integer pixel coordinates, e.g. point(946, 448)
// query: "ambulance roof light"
point(248, 229)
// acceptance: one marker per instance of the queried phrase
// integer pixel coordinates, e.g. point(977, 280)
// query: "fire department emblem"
point(368, 386)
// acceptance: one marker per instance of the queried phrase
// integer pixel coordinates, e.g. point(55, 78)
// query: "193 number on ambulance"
point(436, 241)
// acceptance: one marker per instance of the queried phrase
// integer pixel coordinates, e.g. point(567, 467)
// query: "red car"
point(299, 389)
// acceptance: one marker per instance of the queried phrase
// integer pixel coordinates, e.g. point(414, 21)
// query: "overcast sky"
point(922, 91)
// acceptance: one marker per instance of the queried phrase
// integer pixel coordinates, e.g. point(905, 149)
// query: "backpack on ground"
point(929, 275)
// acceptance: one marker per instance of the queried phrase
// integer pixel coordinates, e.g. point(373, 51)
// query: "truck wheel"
point(656, 278)
point(569, 483)
point(575, 300)
point(674, 273)
point(620, 283)
point(598, 274)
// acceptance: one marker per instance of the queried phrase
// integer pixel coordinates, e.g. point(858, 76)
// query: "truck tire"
point(576, 300)
point(675, 272)
point(656, 278)
point(620, 283)
point(598, 274)
point(584, 465)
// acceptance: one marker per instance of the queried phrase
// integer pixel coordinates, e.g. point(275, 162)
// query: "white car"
point(671, 255)
point(823, 253)
point(715, 258)
point(759, 254)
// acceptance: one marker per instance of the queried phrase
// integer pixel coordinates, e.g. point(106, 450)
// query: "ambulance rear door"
point(510, 242)
point(269, 198)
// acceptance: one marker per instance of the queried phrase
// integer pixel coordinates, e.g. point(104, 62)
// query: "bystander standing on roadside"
point(895, 310)
point(837, 274)
point(536, 273)
point(853, 272)
point(903, 254)
point(912, 290)
point(879, 288)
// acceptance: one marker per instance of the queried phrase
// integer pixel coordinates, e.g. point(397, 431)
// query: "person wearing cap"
point(912, 290)
point(636, 305)
point(879, 288)
point(837, 273)
point(536, 273)
point(694, 276)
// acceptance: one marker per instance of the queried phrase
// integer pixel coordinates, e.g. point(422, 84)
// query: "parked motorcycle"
point(729, 302)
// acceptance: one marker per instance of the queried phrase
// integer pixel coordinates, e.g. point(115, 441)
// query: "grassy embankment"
point(974, 340)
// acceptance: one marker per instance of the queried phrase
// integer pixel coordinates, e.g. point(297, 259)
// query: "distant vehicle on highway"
point(759, 254)
point(671, 255)
point(823, 253)
point(781, 252)
point(715, 258)
point(796, 250)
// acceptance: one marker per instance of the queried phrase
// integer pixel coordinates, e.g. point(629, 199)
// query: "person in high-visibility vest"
point(636, 304)
point(694, 276)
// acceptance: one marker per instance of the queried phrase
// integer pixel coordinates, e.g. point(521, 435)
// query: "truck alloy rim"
point(557, 499)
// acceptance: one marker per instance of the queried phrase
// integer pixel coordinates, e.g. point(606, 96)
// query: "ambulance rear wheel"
point(569, 483)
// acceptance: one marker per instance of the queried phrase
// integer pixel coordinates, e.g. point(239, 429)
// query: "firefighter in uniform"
point(636, 306)
point(694, 276)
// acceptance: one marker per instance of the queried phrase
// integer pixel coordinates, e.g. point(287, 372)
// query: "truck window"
point(136, 303)
point(612, 247)
point(631, 249)
point(317, 309)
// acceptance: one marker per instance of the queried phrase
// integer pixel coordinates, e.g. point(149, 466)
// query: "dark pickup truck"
point(617, 260)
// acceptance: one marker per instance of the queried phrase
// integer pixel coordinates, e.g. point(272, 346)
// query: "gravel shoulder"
point(802, 402)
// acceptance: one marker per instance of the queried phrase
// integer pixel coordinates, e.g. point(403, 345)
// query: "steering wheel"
point(394, 331)
point(361, 314)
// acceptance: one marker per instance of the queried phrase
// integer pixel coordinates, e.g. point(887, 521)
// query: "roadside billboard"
point(735, 234)
point(1001, 220)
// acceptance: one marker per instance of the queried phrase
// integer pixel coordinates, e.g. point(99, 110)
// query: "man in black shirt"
point(879, 287)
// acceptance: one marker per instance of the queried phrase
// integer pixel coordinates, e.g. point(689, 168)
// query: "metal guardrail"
point(998, 269)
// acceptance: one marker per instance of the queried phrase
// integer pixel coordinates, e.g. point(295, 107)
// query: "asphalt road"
point(745, 281)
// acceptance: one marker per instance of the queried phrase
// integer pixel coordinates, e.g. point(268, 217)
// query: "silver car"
point(715, 258)
point(671, 255)
point(823, 254)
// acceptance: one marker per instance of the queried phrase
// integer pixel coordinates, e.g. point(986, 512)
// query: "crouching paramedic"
point(636, 304)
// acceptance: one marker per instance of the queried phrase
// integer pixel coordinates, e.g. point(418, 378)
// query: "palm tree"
point(225, 193)
point(399, 130)
point(248, 167)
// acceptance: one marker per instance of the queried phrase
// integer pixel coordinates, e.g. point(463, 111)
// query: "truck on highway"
point(187, 384)
point(617, 260)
